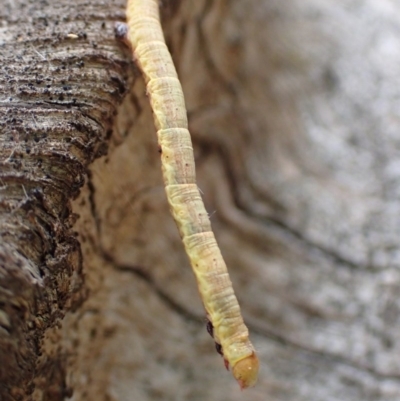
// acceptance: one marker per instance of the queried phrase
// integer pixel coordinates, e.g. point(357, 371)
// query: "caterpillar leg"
point(218, 346)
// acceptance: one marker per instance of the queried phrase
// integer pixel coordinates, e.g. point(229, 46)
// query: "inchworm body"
point(225, 324)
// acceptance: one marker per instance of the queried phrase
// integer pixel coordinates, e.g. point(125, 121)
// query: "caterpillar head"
point(245, 371)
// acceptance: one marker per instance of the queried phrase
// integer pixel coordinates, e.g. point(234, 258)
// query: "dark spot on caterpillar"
point(218, 347)
point(159, 149)
point(210, 329)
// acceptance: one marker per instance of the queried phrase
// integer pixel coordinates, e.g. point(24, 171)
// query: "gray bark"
point(293, 108)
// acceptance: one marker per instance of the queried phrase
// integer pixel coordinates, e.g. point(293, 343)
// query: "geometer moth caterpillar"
point(225, 322)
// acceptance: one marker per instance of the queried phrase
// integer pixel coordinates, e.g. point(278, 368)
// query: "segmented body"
point(166, 98)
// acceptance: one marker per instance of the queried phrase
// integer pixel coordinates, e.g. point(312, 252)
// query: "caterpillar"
point(225, 323)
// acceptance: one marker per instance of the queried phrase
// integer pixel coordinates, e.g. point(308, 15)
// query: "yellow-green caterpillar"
point(166, 97)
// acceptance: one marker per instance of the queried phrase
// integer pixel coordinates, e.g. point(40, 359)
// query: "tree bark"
point(293, 109)
point(62, 79)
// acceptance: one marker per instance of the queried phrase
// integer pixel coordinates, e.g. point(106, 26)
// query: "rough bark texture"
point(293, 106)
point(62, 77)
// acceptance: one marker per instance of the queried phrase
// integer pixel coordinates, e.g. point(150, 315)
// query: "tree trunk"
point(293, 110)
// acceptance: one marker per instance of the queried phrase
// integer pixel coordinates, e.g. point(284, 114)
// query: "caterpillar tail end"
point(245, 371)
